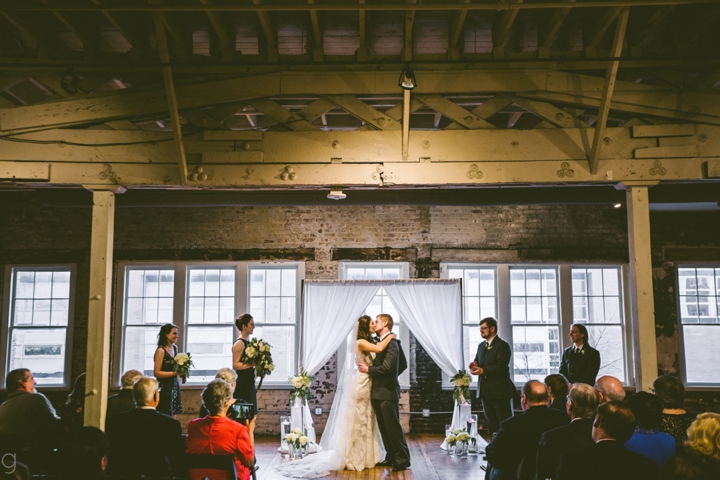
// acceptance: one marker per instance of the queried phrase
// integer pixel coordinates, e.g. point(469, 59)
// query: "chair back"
point(205, 461)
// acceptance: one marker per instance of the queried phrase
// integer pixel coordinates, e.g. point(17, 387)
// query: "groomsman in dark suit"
point(580, 362)
point(492, 366)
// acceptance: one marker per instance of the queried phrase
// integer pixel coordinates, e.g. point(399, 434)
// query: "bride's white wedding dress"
point(351, 439)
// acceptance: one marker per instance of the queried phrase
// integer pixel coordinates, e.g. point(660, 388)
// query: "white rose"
point(290, 437)
point(261, 347)
point(303, 440)
point(297, 431)
point(297, 382)
point(451, 439)
point(271, 367)
point(250, 351)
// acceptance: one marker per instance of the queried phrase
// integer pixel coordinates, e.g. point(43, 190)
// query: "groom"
point(385, 395)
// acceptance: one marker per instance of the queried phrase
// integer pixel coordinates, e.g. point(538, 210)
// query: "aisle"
point(428, 463)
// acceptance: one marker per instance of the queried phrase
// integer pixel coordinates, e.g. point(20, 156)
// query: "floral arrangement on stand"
point(461, 382)
point(297, 443)
point(182, 364)
point(259, 352)
point(301, 387)
point(458, 441)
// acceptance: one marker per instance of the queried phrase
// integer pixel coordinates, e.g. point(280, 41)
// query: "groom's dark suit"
point(385, 397)
point(495, 388)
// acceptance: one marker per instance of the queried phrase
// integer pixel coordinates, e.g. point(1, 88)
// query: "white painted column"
point(98, 343)
point(641, 286)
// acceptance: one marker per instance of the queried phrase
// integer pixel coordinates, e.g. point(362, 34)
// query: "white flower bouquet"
point(301, 387)
point(182, 364)
point(461, 382)
point(297, 440)
point(259, 352)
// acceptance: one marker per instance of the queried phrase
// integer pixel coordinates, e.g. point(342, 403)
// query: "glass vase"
point(461, 449)
point(450, 450)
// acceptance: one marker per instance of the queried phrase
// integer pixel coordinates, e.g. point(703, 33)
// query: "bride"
point(351, 439)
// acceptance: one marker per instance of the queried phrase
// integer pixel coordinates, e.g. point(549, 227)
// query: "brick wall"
point(321, 236)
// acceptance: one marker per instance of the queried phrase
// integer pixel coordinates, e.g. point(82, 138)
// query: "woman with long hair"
point(580, 362)
point(72, 414)
point(351, 439)
point(164, 370)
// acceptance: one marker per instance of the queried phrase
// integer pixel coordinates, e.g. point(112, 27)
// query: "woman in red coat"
point(216, 434)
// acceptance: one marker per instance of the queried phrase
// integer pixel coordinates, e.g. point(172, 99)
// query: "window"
point(38, 320)
point(535, 305)
point(597, 304)
point(535, 322)
point(479, 292)
point(381, 302)
point(699, 299)
point(203, 300)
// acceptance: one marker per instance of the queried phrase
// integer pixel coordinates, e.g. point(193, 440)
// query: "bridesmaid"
point(245, 388)
point(170, 402)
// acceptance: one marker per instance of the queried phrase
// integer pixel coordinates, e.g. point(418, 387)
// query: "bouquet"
point(182, 364)
point(459, 435)
point(461, 381)
point(258, 352)
point(301, 387)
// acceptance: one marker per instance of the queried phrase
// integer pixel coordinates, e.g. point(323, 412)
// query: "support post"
point(406, 124)
point(98, 343)
point(641, 286)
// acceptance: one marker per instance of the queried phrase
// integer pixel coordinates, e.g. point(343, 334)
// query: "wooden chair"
point(225, 463)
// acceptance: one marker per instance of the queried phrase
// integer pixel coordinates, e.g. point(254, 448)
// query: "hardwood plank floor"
point(428, 463)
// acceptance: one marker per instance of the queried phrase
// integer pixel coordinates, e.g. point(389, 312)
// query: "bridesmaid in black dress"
point(245, 387)
point(170, 402)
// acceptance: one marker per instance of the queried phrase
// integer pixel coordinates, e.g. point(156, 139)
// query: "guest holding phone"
point(217, 434)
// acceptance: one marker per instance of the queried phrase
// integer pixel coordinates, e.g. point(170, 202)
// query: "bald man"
point(610, 389)
point(517, 440)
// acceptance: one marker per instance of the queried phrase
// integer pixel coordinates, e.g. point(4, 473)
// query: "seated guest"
point(515, 445)
point(648, 440)
point(216, 434)
point(123, 401)
point(557, 387)
point(72, 414)
point(27, 419)
point(608, 458)
point(675, 420)
point(580, 362)
point(582, 406)
point(230, 377)
point(144, 441)
point(83, 456)
point(610, 389)
point(700, 459)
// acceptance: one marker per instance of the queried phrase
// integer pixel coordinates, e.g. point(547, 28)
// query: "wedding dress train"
point(351, 439)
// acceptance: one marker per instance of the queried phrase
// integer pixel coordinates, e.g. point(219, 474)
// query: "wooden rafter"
point(268, 29)
point(458, 23)
point(454, 112)
point(406, 123)
point(603, 25)
point(317, 45)
point(652, 23)
point(502, 27)
point(486, 110)
point(82, 36)
point(131, 39)
point(226, 41)
point(27, 29)
point(610, 77)
point(284, 117)
point(170, 94)
point(550, 113)
point(553, 26)
point(364, 112)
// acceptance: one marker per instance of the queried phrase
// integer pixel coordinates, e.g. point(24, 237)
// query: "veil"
point(335, 439)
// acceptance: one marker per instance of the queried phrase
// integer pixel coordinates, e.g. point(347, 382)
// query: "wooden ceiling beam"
point(283, 116)
point(501, 29)
point(317, 45)
point(603, 25)
point(652, 24)
point(84, 37)
point(407, 51)
point(28, 30)
point(171, 96)
point(227, 43)
point(553, 26)
point(608, 89)
point(268, 30)
point(133, 40)
point(458, 24)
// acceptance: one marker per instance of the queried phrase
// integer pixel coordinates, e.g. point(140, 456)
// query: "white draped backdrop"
point(431, 309)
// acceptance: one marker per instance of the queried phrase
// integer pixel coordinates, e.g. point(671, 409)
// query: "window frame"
point(565, 305)
point(343, 265)
point(180, 305)
point(681, 334)
point(5, 324)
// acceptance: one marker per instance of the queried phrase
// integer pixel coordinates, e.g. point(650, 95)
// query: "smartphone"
point(241, 412)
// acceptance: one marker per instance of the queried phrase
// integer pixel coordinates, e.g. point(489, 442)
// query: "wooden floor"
point(428, 462)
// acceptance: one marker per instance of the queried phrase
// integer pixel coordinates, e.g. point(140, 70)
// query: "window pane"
point(227, 283)
point(211, 350)
point(272, 310)
point(608, 340)
point(373, 273)
point(257, 309)
point(212, 305)
point(61, 285)
point(272, 286)
point(517, 310)
point(205, 308)
point(391, 273)
point(595, 282)
point(487, 282)
point(686, 281)
point(227, 310)
point(59, 313)
point(487, 307)
point(289, 282)
point(43, 284)
point(355, 274)
point(151, 310)
point(197, 283)
point(533, 356)
point(599, 300)
point(287, 310)
point(25, 284)
point(41, 313)
point(167, 283)
point(532, 282)
point(195, 310)
point(472, 309)
point(282, 340)
point(139, 346)
point(611, 283)
point(41, 350)
point(149, 296)
point(257, 283)
point(698, 295)
point(701, 353)
point(471, 284)
point(23, 312)
point(152, 283)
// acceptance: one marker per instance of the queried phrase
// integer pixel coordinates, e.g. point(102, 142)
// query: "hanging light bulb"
point(407, 78)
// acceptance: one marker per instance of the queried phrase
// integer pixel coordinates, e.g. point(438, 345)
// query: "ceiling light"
point(336, 193)
point(407, 78)
point(617, 205)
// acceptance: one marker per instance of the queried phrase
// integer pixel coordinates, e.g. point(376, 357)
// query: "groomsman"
point(580, 362)
point(492, 366)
